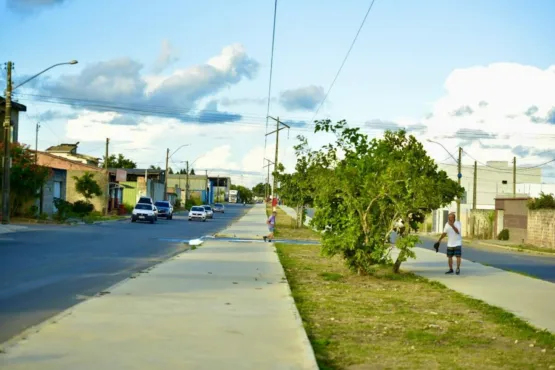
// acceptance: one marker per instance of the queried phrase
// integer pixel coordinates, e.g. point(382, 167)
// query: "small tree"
point(26, 177)
point(87, 186)
point(192, 171)
point(360, 198)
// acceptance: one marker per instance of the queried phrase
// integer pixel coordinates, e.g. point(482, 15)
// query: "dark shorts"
point(454, 251)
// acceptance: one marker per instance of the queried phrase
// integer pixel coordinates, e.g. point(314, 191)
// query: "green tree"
point(87, 186)
point(296, 189)
point(244, 194)
point(192, 171)
point(360, 198)
point(119, 161)
point(260, 189)
point(26, 177)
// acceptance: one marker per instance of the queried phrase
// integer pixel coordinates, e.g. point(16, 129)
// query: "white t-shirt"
point(453, 239)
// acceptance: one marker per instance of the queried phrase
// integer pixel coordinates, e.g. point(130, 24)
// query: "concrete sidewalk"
point(528, 298)
point(225, 305)
point(4, 229)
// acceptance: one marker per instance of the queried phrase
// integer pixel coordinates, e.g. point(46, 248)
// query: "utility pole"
point(474, 196)
point(217, 188)
point(107, 175)
point(6, 140)
point(37, 141)
point(459, 175)
point(514, 177)
point(166, 175)
point(207, 189)
point(266, 188)
point(187, 182)
point(277, 130)
point(41, 191)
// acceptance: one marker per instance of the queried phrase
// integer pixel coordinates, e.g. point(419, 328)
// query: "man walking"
point(453, 231)
point(271, 226)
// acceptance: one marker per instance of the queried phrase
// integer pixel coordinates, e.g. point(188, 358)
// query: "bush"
point(192, 202)
point(503, 235)
point(92, 217)
point(128, 208)
point(544, 201)
point(31, 212)
point(82, 208)
point(64, 208)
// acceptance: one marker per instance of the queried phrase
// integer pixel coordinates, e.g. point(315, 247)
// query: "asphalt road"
point(50, 268)
point(540, 266)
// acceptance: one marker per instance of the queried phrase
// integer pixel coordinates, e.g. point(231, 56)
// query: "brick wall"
point(72, 195)
point(481, 225)
point(541, 228)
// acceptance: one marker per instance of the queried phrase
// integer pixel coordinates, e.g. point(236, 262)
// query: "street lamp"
point(459, 174)
point(7, 134)
point(168, 156)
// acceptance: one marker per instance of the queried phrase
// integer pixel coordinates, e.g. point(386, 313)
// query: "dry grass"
point(286, 227)
point(386, 321)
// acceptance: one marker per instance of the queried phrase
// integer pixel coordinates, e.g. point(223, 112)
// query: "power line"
point(345, 59)
point(247, 120)
point(509, 170)
point(270, 81)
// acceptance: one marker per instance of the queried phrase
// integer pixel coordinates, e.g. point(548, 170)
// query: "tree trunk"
point(397, 264)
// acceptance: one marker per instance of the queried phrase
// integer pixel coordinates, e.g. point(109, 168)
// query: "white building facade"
point(492, 180)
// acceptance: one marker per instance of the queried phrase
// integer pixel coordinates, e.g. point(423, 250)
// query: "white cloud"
point(168, 55)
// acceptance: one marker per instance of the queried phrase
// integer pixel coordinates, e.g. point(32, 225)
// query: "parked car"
point(145, 200)
point(197, 213)
point(218, 207)
point(144, 212)
point(165, 209)
point(209, 211)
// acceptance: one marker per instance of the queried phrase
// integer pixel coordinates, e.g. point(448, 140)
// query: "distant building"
point(69, 151)
point(494, 180)
point(16, 108)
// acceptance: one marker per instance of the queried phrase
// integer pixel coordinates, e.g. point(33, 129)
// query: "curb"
point(310, 357)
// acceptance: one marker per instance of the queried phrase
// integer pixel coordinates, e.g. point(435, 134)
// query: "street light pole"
point(7, 136)
point(166, 174)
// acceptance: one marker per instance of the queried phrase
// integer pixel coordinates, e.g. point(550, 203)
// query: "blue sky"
point(397, 71)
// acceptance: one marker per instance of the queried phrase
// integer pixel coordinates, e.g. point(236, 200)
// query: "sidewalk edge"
point(309, 354)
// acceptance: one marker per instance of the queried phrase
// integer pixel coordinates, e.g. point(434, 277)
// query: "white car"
point(209, 211)
point(144, 212)
point(197, 213)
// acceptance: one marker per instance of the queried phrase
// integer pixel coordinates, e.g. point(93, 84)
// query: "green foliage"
point(360, 198)
point(244, 194)
point(192, 172)
point(261, 188)
point(128, 208)
point(64, 209)
point(119, 161)
point(87, 186)
point(193, 201)
point(544, 201)
point(26, 177)
point(82, 208)
point(503, 235)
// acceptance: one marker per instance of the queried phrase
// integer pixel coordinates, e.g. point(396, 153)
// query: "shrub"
point(82, 208)
point(503, 235)
point(128, 208)
point(64, 208)
point(544, 201)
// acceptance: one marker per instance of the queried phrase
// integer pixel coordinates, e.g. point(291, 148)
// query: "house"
point(219, 188)
point(61, 183)
point(16, 108)
point(494, 179)
point(142, 182)
point(69, 151)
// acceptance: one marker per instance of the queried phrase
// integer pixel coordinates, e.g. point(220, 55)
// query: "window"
point(504, 182)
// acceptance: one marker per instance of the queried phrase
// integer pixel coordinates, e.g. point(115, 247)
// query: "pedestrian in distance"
point(453, 231)
point(271, 222)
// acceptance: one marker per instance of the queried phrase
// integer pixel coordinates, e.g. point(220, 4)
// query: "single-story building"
point(61, 183)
